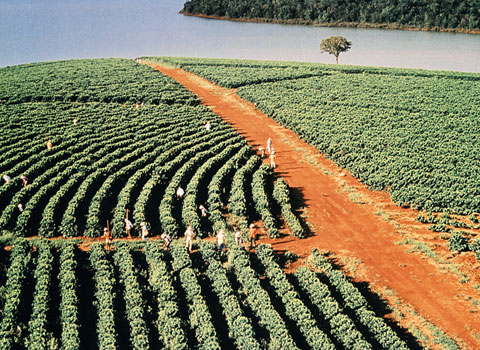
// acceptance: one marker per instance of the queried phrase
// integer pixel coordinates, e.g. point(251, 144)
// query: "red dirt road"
point(343, 225)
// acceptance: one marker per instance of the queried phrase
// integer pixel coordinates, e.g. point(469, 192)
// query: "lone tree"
point(335, 45)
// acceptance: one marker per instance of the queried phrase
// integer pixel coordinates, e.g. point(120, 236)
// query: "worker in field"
point(238, 236)
point(20, 207)
point(75, 121)
point(189, 235)
point(24, 180)
point(221, 240)
point(208, 126)
point(269, 145)
point(6, 178)
point(144, 230)
point(167, 240)
point(49, 144)
point(108, 238)
point(180, 192)
point(262, 152)
point(272, 157)
point(252, 235)
point(128, 227)
point(203, 211)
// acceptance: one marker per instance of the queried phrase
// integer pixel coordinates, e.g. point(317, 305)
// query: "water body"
point(48, 30)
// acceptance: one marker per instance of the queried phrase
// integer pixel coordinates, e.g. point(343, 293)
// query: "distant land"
point(432, 15)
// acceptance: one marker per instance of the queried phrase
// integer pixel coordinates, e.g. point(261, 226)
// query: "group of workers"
point(189, 234)
point(271, 153)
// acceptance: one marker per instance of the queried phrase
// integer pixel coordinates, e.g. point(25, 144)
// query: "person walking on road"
point(272, 157)
point(189, 238)
point(269, 145)
point(252, 235)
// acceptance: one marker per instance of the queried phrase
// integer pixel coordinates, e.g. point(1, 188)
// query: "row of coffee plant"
point(96, 141)
point(141, 296)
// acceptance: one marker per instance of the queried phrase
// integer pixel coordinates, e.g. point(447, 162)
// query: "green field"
point(143, 297)
point(139, 136)
point(413, 133)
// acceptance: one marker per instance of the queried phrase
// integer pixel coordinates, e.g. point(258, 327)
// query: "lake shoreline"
point(391, 26)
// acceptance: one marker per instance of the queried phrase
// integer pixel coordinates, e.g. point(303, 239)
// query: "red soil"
point(351, 224)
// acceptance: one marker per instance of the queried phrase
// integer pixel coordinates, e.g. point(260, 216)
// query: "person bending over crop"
point(6, 178)
point(49, 144)
point(167, 240)
point(203, 210)
point(189, 238)
point(24, 180)
point(180, 192)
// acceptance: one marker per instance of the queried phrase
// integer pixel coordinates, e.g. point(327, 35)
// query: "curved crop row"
point(260, 302)
point(48, 223)
point(105, 294)
point(132, 294)
point(240, 327)
point(37, 327)
point(261, 200)
point(169, 223)
point(294, 306)
point(199, 315)
point(189, 208)
point(124, 199)
point(237, 202)
point(341, 326)
point(170, 324)
point(69, 311)
point(281, 194)
point(168, 165)
point(357, 302)
point(111, 163)
point(216, 186)
point(19, 260)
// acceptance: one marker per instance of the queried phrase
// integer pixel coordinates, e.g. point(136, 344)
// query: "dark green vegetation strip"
point(433, 14)
point(412, 132)
point(124, 136)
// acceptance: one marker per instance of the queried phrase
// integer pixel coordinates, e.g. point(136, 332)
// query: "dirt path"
point(345, 221)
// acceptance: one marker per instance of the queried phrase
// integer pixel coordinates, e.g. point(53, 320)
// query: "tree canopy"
point(430, 14)
point(335, 45)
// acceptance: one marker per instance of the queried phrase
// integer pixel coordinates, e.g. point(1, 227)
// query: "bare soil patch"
point(356, 223)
